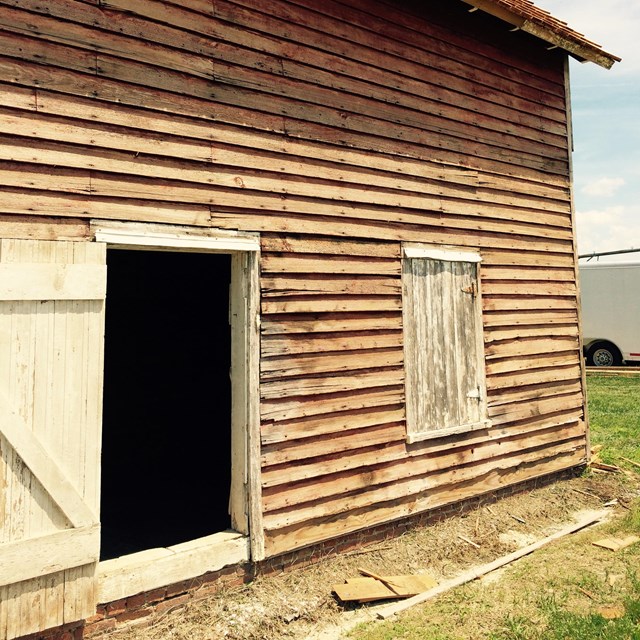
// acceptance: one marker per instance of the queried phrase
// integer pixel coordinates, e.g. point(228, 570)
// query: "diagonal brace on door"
point(43, 466)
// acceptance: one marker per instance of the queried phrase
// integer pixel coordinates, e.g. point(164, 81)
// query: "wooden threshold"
point(139, 572)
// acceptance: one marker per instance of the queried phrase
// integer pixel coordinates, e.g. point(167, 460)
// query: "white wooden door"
point(51, 363)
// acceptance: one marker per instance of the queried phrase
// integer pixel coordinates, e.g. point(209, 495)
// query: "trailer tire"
point(604, 354)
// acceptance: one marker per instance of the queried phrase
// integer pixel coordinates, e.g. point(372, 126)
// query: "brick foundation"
point(145, 607)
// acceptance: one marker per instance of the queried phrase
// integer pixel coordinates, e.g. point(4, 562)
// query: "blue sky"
point(606, 122)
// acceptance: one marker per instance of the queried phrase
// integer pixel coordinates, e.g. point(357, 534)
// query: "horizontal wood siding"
point(338, 130)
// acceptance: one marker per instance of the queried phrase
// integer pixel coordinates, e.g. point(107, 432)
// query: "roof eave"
point(578, 48)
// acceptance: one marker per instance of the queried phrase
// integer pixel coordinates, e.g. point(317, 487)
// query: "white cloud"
point(608, 229)
point(603, 187)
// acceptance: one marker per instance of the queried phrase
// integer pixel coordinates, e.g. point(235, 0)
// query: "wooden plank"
point(370, 589)
point(238, 498)
point(538, 361)
point(522, 318)
point(24, 175)
point(52, 282)
point(41, 556)
point(616, 544)
point(332, 304)
point(535, 391)
point(277, 481)
point(333, 361)
point(331, 403)
point(492, 287)
point(95, 136)
point(327, 424)
point(70, 205)
point(532, 331)
point(508, 256)
point(582, 362)
point(254, 489)
point(530, 427)
point(336, 442)
point(41, 228)
point(295, 284)
point(335, 246)
point(364, 109)
point(530, 346)
point(302, 343)
point(273, 263)
point(541, 273)
point(304, 387)
point(523, 302)
point(516, 379)
point(508, 413)
point(146, 571)
point(335, 324)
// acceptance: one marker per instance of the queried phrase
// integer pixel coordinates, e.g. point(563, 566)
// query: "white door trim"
point(246, 497)
point(165, 237)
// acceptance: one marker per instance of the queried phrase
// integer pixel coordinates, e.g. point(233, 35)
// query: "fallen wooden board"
point(370, 589)
point(605, 467)
point(615, 544)
point(390, 610)
point(611, 612)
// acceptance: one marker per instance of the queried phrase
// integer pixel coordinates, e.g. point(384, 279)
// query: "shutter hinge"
point(472, 289)
point(475, 393)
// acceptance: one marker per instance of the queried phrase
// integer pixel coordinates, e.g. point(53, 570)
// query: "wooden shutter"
point(51, 363)
point(443, 347)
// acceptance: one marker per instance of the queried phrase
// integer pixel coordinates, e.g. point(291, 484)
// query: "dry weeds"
point(299, 603)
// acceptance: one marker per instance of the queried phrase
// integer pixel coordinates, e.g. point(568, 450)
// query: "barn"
point(273, 274)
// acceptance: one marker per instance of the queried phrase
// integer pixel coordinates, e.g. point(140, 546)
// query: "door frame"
point(153, 568)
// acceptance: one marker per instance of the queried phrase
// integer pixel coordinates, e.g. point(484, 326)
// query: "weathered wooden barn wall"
point(338, 130)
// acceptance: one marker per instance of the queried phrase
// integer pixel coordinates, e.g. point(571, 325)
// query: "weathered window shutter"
point(444, 371)
point(51, 362)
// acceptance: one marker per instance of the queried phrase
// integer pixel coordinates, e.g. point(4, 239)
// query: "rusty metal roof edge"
point(524, 15)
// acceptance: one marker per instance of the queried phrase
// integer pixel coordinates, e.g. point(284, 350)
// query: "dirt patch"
point(299, 603)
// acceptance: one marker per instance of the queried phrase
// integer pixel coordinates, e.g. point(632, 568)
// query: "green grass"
point(543, 596)
point(540, 598)
point(555, 619)
point(614, 417)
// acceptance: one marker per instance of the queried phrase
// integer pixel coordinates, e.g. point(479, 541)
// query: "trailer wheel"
point(604, 354)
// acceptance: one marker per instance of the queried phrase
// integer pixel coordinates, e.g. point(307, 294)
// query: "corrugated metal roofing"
point(524, 15)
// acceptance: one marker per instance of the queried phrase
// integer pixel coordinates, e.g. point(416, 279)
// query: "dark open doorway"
point(166, 467)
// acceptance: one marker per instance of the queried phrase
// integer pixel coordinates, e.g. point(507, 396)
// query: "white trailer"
point(611, 312)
